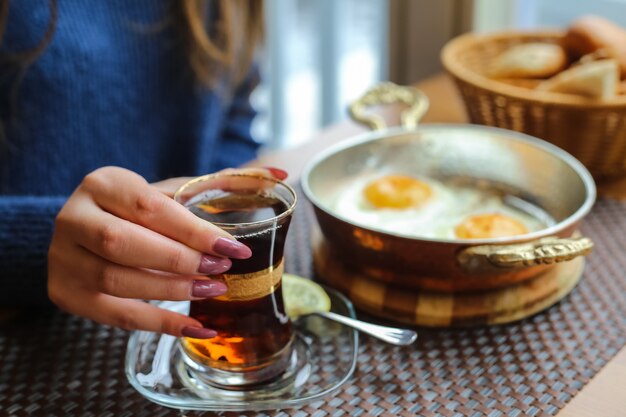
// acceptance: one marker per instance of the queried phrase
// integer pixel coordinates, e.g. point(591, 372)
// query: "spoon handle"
point(395, 336)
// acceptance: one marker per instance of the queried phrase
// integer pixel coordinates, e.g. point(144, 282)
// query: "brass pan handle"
point(548, 250)
point(388, 93)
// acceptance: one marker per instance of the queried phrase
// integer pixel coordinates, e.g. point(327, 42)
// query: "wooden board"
point(439, 309)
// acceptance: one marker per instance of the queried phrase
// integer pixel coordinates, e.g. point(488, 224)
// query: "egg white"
point(447, 207)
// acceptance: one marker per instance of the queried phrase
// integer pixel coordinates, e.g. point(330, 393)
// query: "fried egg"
point(488, 225)
point(423, 207)
point(397, 192)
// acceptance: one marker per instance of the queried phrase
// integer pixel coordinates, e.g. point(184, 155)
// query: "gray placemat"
point(53, 364)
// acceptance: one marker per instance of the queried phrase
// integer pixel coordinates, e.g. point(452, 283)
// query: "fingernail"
point(232, 248)
point(277, 173)
point(207, 288)
point(213, 265)
point(198, 332)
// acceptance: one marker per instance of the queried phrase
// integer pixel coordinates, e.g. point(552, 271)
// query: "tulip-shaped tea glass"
point(254, 335)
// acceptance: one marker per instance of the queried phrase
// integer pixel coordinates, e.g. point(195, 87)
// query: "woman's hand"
point(118, 239)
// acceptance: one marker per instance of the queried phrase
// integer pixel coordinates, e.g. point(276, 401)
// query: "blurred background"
point(321, 54)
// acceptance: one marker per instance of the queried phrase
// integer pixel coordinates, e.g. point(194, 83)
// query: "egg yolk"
point(483, 226)
point(397, 192)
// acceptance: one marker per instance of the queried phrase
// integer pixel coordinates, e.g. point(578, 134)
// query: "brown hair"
point(230, 44)
point(237, 28)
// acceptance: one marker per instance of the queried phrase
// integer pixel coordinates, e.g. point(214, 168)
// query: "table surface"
point(604, 395)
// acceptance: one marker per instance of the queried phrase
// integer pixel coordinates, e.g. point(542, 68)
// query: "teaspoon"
point(393, 335)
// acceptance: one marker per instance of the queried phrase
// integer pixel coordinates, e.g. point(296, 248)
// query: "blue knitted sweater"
point(113, 87)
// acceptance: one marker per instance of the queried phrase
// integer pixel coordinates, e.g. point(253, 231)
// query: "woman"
point(99, 101)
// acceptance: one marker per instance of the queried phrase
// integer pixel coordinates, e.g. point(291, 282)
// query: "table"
point(604, 395)
point(77, 369)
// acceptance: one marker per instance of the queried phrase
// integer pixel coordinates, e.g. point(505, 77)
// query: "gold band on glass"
point(242, 287)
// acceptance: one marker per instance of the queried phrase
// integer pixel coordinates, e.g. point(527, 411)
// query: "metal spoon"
point(393, 335)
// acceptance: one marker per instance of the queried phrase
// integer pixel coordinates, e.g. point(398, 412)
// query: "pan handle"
point(548, 250)
point(388, 93)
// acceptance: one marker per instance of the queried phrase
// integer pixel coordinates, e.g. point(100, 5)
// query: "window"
point(320, 54)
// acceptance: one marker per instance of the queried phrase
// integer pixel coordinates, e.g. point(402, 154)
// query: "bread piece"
point(589, 34)
point(529, 60)
point(597, 79)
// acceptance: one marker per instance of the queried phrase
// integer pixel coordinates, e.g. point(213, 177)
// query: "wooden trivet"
point(440, 309)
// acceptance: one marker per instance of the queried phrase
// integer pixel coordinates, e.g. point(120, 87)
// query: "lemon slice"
point(303, 296)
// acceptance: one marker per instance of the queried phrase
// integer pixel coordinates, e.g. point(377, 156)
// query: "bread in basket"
point(592, 130)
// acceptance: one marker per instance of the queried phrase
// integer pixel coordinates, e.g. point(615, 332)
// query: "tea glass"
point(254, 342)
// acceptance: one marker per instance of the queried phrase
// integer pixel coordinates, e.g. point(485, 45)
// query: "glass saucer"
point(323, 359)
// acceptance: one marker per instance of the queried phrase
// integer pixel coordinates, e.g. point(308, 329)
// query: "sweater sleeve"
point(236, 144)
point(26, 226)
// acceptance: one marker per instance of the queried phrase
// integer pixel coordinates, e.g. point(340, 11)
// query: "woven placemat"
point(53, 364)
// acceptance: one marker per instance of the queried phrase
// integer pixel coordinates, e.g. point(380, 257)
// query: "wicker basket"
point(594, 131)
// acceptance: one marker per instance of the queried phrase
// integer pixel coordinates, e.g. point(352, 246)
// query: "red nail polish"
point(278, 173)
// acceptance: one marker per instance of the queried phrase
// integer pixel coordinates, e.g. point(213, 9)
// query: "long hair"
point(230, 44)
point(236, 28)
